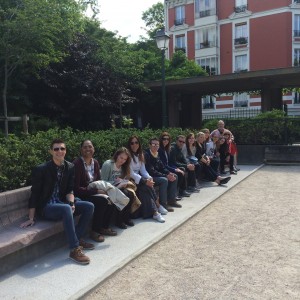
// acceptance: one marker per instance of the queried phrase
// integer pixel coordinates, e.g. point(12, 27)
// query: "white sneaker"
point(158, 217)
point(162, 210)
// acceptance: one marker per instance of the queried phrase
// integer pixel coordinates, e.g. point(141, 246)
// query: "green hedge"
point(19, 154)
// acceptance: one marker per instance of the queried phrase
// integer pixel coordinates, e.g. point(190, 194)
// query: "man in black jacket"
point(52, 198)
point(177, 159)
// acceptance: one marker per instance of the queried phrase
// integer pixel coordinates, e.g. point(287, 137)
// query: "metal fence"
point(233, 114)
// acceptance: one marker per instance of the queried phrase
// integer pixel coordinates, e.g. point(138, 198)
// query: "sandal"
point(95, 236)
point(108, 231)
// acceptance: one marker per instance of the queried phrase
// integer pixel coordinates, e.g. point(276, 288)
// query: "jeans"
point(167, 189)
point(62, 211)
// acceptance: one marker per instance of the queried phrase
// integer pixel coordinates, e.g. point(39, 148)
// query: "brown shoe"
point(174, 204)
point(108, 231)
point(95, 236)
point(168, 208)
point(78, 256)
point(85, 245)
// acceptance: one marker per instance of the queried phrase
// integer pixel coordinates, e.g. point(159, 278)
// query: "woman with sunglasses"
point(164, 154)
point(87, 170)
point(115, 171)
point(150, 206)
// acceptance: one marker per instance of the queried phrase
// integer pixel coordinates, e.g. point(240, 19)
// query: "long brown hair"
point(126, 166)
point(139, 152)
point(161, 145)
point(187, 144)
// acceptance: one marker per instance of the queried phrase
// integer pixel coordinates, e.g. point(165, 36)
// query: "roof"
point(234, 82)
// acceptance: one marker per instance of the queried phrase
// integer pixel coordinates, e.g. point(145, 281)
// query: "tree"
point(154, 19)
point(33, 33)
point(181, 67)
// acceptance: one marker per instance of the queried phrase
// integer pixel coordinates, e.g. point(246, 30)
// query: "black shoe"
point(121, 225)
point(174, 204)
point(192, 189)
point(236, 169)
point(185, 194)
point(178, 198)
point(224, 180)
point(129, 223)
point(233, 172)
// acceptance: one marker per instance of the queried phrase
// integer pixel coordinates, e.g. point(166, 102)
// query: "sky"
point(125, 16)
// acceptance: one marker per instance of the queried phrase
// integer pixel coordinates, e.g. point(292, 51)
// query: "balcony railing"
point(208, 106)
point(243, 103)
point(240, 9)
point(241, 41)
point(297, 32)
point(207, 13)
point(183, 49)
point(240, 70)
point(205, 44)
point(178, 22)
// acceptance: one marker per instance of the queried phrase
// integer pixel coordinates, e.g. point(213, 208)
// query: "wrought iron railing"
point(241, 8)
point(178, 22)
point(241, 41)
point(297, 32)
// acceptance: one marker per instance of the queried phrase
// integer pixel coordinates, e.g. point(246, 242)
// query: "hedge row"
point(18, 155)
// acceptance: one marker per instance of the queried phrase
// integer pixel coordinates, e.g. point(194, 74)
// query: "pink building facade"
point(232, 36)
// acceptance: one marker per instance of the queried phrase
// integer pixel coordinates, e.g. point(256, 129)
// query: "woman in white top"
point(150, 206)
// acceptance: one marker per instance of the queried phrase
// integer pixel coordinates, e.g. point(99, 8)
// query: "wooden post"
point(25, 123)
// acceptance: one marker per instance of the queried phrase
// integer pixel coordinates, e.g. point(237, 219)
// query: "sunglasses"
point(134, 143)
point(155, 145)
point(59, 148)
point(181, 142)
point(165, 139)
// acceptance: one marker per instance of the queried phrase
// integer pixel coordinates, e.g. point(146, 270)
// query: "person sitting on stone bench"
point(87, 170)
point(52, 198)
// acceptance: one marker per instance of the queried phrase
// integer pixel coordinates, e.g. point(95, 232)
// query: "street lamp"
point(162, 41)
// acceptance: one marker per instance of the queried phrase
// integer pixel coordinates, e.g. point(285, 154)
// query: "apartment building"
point(231, 36)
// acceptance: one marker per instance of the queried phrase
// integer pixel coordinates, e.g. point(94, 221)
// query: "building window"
point(208, 102)
point(297, 26)
point(296, 98)
point(240, 6)
point(179, 15)
point(180, 43)
point(241, 34)
point(241, 63)
point(296, 57)
point(297, 1)
point(206, 37)
point(209, 64)
point(241, 100)
point(205, 8)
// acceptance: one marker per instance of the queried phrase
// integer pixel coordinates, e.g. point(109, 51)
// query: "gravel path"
point(245, 245)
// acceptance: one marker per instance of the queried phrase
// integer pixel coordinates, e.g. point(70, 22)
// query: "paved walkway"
point(55, 276)
point(245, 245)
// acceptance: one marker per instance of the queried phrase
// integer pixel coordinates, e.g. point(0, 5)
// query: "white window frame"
point(210, 62)
point(179, 15)
point(180, 42)
point(241, 100)
point(241, 62)
point(206, 35)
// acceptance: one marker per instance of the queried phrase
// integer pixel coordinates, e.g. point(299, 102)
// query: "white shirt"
point(138, 170)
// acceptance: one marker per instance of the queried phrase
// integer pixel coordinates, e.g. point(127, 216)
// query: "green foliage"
point(154, 19)
point(181, 67)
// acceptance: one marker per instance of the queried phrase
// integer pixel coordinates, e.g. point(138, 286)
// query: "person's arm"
point(80, 183)
point(106, 171)
point(173, 158)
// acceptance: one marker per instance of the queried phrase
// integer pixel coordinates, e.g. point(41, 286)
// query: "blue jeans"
point(62, 211)
point(167, 189)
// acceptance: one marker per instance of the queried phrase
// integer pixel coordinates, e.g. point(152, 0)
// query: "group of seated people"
point(133, 183)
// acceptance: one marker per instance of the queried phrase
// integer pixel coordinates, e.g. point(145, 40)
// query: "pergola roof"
point(235, 82)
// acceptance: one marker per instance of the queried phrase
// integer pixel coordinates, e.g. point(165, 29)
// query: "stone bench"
point(280, 154)
point(17, 245)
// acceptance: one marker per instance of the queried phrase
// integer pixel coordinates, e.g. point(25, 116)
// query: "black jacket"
point(154, 165)
point(177, 158)
point(44, 178)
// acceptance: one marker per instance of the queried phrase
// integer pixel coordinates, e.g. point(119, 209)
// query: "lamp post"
point(162, 41)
